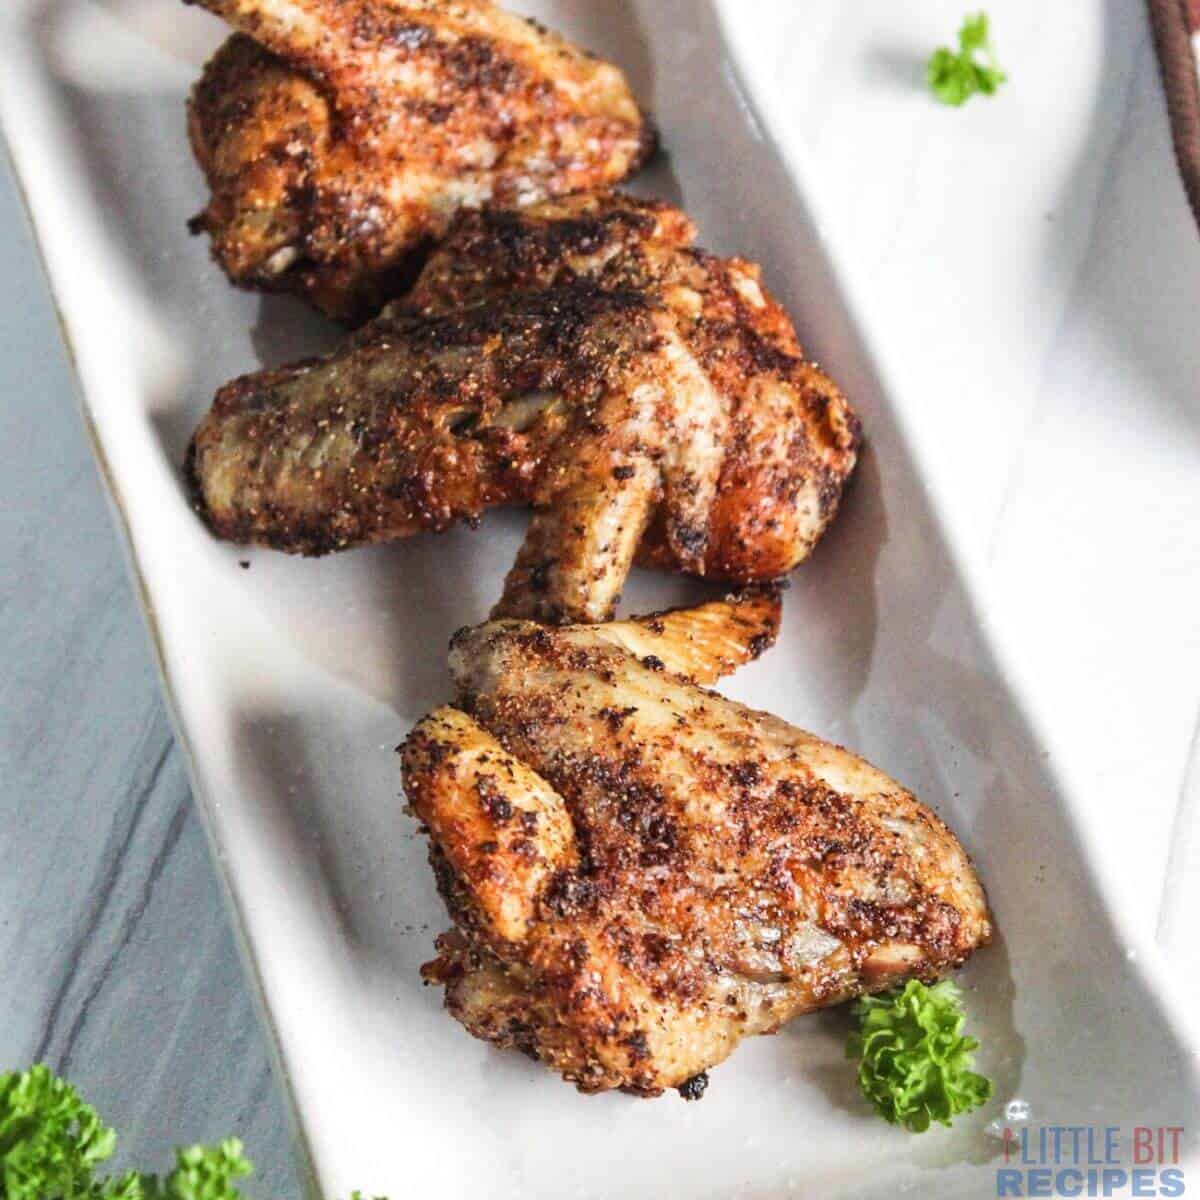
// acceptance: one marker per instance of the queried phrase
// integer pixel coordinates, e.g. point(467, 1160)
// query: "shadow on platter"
point(353, 861)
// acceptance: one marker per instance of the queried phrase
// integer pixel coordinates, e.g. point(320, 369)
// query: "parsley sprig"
point(955, 77)
point(915, 1061)
point(52, 1141)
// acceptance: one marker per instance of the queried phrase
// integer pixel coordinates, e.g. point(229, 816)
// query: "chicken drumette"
point(641, 872)
point(338, 136)
point(644, 396)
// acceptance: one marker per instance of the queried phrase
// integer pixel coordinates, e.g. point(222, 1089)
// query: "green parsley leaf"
point(50, 1140)
point(974, 33)
point(955, 77)
point(915, 1062)
point(130, 1186)
point(202, 1173)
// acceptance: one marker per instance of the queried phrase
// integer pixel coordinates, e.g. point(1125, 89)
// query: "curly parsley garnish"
point(51, 1143)
point(955, 77)
point(916, 1063)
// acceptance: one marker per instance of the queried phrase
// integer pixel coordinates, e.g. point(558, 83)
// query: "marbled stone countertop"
point(119, 965)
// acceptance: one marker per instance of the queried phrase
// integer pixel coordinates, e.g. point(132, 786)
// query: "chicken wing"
point(793, 440)
point(338, 136)
point(641, 395)
point(641, 872)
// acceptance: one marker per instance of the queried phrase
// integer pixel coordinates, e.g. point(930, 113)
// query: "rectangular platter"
point(291, 681)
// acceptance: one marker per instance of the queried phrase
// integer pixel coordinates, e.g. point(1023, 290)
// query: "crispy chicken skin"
point(792, 438)
point(611, 239)
point(641, 872)
point(585, 403)
point(339, 136)
point(648, 399)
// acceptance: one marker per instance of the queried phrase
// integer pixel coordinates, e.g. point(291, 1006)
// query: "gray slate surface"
point(120, 969)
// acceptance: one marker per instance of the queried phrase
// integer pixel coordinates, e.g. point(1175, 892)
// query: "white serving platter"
point(291, 681)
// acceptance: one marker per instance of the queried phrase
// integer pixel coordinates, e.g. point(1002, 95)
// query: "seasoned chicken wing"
point(792, 441)
point(338, 136)
point(585, 403)
point(640, 394)
point(641, 872)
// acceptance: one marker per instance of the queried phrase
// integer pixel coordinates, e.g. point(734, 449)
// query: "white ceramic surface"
point(291, 681)
point(1031, 269)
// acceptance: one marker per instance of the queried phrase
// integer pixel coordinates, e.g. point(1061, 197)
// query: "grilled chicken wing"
point(338, 136)
point(643, 396)
point(641, 872)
